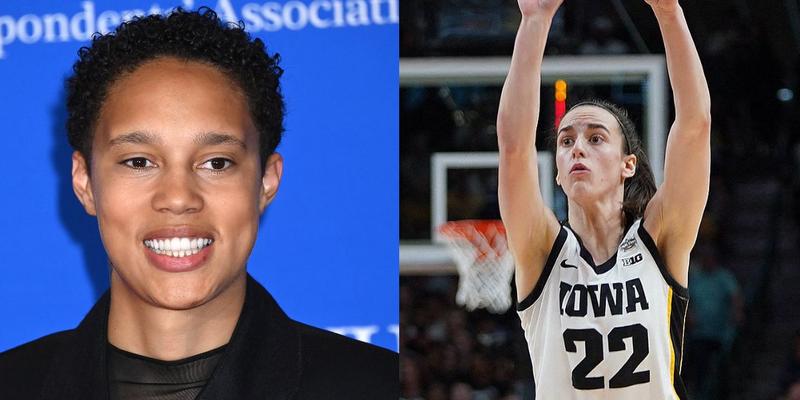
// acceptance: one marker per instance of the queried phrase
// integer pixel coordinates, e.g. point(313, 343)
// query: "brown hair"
point(640, 188)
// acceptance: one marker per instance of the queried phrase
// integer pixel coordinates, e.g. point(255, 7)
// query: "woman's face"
point(175, 159)
point(589, 155)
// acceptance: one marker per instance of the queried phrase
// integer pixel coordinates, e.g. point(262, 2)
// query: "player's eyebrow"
point(588, 126)
point(598, 126)
point(135, 138)
point(217, 138)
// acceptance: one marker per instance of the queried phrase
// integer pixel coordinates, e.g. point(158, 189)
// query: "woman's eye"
point(596, 139)
point(138, 163)
point(566, 141)
point(217, 164)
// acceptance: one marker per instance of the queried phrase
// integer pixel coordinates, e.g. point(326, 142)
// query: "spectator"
point(715, 310)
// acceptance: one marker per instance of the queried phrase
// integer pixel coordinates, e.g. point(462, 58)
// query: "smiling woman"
point(174, 121)
point(161, 185)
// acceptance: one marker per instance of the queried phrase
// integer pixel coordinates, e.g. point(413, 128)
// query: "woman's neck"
point(599, 224)
point(139, 327)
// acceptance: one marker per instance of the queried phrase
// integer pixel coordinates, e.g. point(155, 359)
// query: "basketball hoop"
point(484, 264)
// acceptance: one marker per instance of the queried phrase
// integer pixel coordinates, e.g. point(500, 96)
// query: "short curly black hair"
point(197, 36)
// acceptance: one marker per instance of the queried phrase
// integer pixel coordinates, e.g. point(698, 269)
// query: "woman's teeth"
point(177, 246)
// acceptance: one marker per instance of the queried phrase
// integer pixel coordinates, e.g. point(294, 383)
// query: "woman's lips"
point(179, 264)
point(578, 169)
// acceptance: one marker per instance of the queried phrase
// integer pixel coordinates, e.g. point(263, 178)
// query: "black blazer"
point(269, 357)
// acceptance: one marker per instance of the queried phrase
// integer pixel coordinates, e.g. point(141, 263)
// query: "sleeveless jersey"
point(609, 331)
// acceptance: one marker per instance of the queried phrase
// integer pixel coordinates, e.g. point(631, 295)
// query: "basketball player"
point(174, 121)
point(602, 297)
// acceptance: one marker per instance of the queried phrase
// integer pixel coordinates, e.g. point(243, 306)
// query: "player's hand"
point(663, 5)
point(539, 7)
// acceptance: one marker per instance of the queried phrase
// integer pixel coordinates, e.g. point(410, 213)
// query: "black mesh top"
point(132, 376)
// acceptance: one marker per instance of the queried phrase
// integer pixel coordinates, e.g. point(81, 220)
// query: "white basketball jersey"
point(609, 331)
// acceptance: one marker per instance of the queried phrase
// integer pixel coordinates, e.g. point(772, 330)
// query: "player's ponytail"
point(640, 188)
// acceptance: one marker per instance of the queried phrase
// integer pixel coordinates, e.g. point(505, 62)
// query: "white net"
point(484, 264)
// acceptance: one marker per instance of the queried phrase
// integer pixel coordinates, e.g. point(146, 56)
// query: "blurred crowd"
point(449, 353)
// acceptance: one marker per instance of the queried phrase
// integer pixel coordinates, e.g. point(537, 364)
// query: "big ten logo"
point(366, 333)
point(270, 16)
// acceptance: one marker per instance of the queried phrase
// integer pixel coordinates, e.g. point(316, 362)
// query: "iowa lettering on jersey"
point(605, 298)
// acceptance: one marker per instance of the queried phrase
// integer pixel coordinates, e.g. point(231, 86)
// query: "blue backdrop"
point(327, 249)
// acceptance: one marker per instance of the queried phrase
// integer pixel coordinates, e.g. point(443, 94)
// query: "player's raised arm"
point(673, 215)
point(530, 225)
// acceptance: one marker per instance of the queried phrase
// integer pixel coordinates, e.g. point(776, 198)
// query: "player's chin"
point(181, 300)
point(195, 289)
point(181, 294)
point(580, 192)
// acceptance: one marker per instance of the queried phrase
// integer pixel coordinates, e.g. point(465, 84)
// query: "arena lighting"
point(785, 94)
point(561, 100)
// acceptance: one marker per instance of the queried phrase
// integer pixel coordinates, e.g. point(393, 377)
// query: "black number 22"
point(593, 342)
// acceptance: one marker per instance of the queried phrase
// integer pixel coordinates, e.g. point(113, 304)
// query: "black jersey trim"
point(662, 266)
point(587, 256)
point(548, 268)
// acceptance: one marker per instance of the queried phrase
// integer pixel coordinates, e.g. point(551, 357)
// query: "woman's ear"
point(629, 165)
